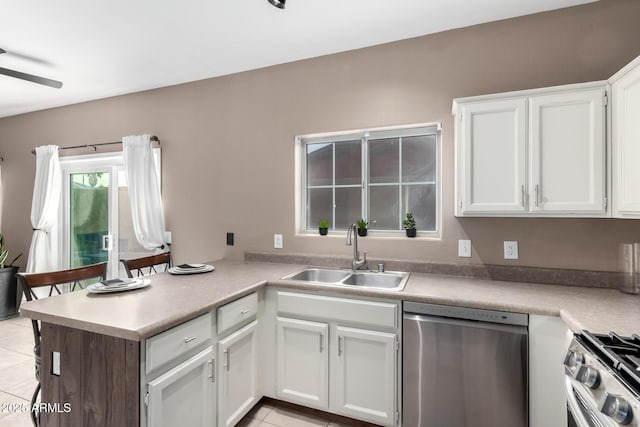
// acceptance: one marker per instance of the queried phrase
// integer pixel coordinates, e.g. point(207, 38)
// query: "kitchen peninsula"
point(103, 340)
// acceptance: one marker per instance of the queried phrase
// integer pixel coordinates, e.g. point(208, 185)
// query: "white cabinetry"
point(491, 156)
point(303, 361)
point(532, 153)
point(625, 89)
point(178, 375)
point(548, 342)
point(568, 152)
point(356, 374)
point(364, 375)
point(238, 360)
point(183, 395)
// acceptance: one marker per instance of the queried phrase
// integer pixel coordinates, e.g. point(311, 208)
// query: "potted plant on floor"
point(323, 228)
point(8, 283)
point(362, 227)
point(410, 225)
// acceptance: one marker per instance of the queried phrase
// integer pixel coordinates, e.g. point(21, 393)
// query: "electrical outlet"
point(464, 248)
point(510, 249)
point(277, 241)
point(55, 363)
point(167, 237)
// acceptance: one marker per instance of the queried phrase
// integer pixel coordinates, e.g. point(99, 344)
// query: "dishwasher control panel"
point(477, 314)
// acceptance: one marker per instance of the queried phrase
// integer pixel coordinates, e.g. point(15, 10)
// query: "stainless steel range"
point(603, 379)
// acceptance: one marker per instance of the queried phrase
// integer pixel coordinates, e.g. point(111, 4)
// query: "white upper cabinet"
point(539, 152)
point(568, 152)
point(625, 130)
point(491, 156)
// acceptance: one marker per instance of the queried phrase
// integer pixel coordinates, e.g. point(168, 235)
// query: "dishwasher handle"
point(425, 318)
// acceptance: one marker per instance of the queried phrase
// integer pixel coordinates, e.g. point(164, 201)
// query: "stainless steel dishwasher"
point(463, 367)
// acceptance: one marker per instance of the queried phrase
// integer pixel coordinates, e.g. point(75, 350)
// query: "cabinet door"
point(364, 375)
point(567, 161)
point(491, 157)
point(183, 396)
point(626, 144)
point(303, 362)
point(238, 379)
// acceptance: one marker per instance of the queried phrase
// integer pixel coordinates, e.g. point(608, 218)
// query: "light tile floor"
point(17, 380)
point(17, 383)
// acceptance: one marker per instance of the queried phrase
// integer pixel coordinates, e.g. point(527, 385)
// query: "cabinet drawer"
point(237, 313)
point(374, 313)
point(178, 341)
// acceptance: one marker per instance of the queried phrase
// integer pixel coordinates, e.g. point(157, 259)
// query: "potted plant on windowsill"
point(323, 227)
point(8, 283)
point(362, 227)
point(410, 225)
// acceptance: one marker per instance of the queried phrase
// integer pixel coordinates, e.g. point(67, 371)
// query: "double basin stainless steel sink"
point(389, 280)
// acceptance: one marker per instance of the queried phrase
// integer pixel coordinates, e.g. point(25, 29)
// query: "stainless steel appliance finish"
point(464, 367)
point(602, 380)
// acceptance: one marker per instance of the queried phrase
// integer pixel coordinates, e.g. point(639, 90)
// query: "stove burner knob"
point(588, 376)
point(573, 359)
point(617, 408)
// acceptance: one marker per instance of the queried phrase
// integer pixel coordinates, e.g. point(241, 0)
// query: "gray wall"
point(228, 152)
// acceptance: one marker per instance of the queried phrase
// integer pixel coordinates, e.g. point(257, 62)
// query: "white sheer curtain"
point(44, 208)
point(144, 191)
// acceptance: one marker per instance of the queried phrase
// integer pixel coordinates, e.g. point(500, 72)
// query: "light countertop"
point(171, 300)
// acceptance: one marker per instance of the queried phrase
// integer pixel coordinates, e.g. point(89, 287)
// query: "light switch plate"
point(510, 249)
point(464, 248)
point(277, 241)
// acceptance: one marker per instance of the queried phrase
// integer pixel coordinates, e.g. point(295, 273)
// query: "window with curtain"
point(379, 175)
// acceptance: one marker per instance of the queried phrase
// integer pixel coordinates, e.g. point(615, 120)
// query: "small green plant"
point(323, 224)
point(409, 223)
point(4, 252)
point(362, 224)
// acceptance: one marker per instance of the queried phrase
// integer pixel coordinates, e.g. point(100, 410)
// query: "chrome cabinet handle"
point(245, 311)
point(339, 346)
point(536, 191)
point(321, 342)
point(226, 358)
point(188, 340)
point(522, 195)
point(212, 375)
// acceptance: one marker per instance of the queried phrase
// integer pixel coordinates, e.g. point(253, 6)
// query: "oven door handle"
point(574, 406)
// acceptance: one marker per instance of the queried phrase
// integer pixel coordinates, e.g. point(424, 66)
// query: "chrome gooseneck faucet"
point(357, 263)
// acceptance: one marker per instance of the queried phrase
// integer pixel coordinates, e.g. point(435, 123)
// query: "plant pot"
point(362, 232)
point(8, 291)
point(411, 232)
point(323, 231)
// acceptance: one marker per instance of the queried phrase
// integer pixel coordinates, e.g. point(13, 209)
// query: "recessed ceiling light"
point(278, 3)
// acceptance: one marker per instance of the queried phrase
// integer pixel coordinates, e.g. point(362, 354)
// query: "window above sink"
point(379, 175)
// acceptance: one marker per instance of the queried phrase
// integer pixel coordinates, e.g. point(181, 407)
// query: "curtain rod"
point(95, 146)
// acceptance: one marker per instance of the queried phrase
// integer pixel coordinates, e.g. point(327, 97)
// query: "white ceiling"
point(105, 48)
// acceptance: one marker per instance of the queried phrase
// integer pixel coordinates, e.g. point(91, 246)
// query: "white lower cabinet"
point(548, 342)
point(303, 361)
point(364, 377)
point(238, 376)
point(342, 357)
point(183, 396)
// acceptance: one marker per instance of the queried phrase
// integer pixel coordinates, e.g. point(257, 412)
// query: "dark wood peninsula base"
point(99, 378)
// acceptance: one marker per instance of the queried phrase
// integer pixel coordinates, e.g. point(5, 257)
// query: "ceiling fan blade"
point(30, 77)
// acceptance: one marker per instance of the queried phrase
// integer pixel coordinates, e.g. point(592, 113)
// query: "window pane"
point(319, 164)
point(419, 158)
point(319, 207)
point(348, 206)
point(383, 160)
point(383, 208)
point(89, 217)
point(348, 163)
point(420, 200)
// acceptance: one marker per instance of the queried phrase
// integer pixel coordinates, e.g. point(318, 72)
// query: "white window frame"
point(364, 135)
point(87, 163)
